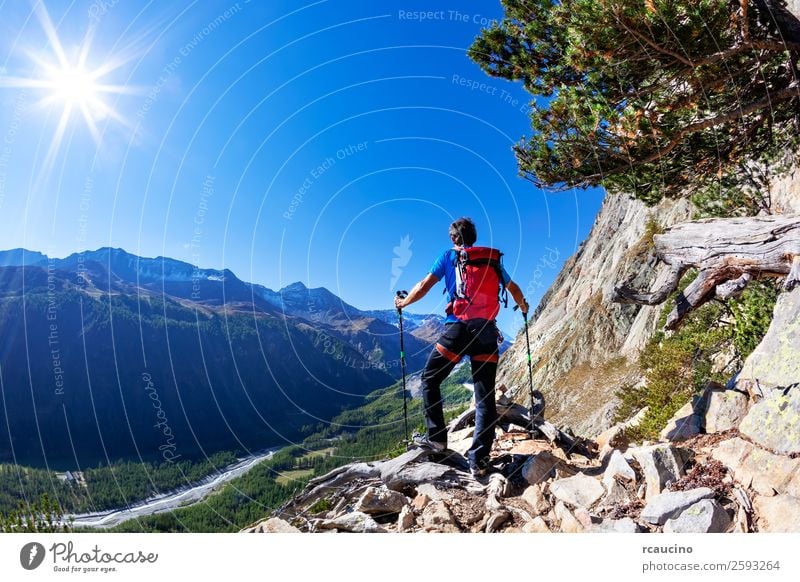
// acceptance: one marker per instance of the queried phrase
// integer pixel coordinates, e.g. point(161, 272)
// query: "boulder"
point(380, 501)
point(406, 520)
point(670, 504)
point(437, 517)
point(624, 525)
point(685, 424)
point(354, 522)
point(774, 362)
point(578, 491)
point(534, 496)
point(706, 516)
point(569, 524)
point(764, 472)
point(774, 422)
point(618, 468)
point(537, 525)
point(778, 514)
point(540, 467)
point(661, 464)
point(273, 525)
point(725, 410)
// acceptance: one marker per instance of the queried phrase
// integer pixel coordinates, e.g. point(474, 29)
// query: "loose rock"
point(624, 525)
point(706, 516)
point(579, 490)
point(273, 525)
point(660, 464)
point(685, 424)
point(540, 467)
point(618, 468)
point(725, 410)
point(380, 501)
point(671, 503)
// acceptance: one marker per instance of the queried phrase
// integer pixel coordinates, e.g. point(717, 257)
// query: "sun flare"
point(69, 83)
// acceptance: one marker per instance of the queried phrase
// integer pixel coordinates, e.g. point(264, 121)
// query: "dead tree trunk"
point(728, 252)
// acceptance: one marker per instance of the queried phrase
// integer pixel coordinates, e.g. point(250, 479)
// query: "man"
point(473, 277)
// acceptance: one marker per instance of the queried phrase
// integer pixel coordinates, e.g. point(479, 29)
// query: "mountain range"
point(107, 356)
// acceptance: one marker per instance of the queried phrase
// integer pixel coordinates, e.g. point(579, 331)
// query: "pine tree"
point(645, 96)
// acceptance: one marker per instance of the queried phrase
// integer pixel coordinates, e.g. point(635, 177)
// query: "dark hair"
point(463, 233)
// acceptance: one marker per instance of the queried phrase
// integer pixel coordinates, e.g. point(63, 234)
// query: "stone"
point(684, 424)
point(418, 473)
point(420, 501)
point(540, 467)
point(437, 516)
point(618, 468)
point(624, 525)
point(583, 516)
point(534, 496)
point(661, 464)
point(537, 525)
point(774, 422)
point(430, 490)
point(569, 524)
point(763, 471)
point(274, 525)
point(670, 504)
point(706, 516)
point(778, 514)
point(406, 520)
point(354, 522)
point(617, 495)
point(774, 362)
point(725, 410)
point(578, 491)
point(380, 501)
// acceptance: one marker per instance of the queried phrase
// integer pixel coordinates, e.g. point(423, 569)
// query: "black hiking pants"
point(476, 338)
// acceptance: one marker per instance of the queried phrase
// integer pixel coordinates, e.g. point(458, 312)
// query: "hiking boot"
point(426, 443)
point(479, 469)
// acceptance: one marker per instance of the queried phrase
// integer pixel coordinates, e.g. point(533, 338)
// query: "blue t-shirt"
point(444, 268)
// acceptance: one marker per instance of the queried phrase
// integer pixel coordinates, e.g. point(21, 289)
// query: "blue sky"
point(285, 141)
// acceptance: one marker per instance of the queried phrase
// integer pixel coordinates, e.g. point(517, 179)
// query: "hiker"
point(474, 280)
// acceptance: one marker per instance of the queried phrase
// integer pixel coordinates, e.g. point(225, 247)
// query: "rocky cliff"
point(584, 346)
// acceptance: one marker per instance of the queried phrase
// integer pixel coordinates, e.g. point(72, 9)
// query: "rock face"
point(774, 422)
point(765, 472)
point(774, 363)
point(706, 516)
point(583, 345)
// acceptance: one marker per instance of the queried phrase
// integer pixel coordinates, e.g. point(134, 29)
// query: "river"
point(180, 497)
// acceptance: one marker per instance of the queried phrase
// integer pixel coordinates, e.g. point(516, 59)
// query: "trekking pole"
point(530, 366)
point(403, 295)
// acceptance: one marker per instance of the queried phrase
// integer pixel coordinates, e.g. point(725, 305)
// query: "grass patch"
point(287, 478)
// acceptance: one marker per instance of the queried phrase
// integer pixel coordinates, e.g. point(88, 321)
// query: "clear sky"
point(328, 142)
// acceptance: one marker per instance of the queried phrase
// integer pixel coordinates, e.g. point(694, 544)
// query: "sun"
point(75, 86)
point(70, 83)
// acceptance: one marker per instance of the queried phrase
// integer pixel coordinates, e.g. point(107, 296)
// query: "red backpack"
point(479, 283)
